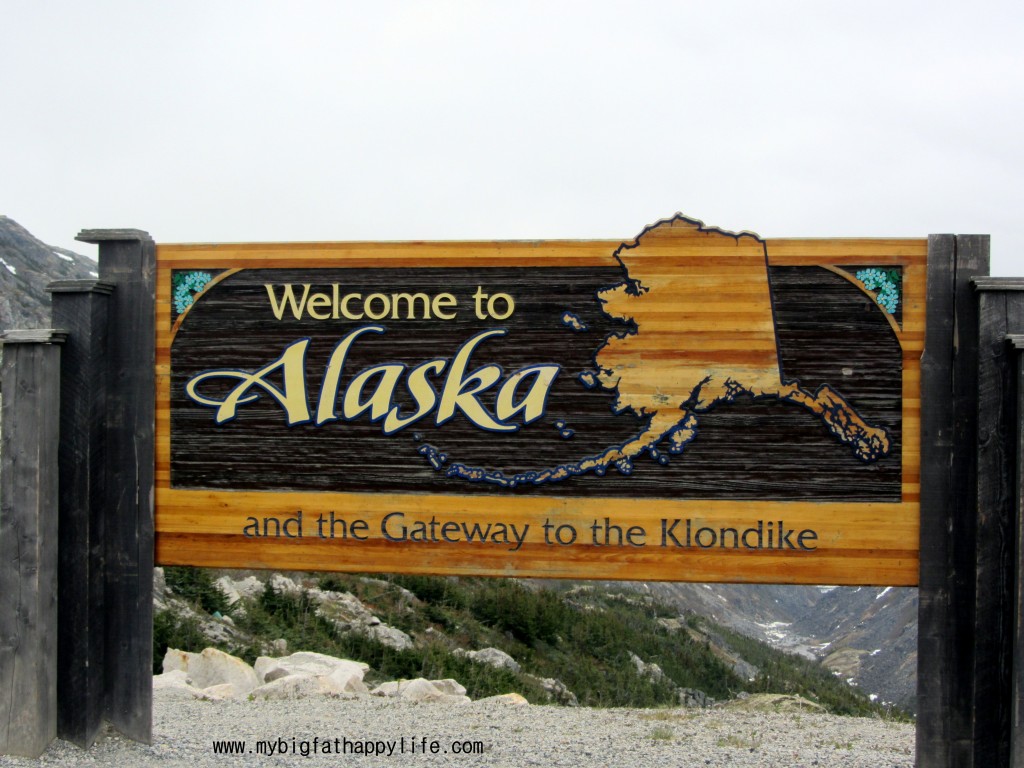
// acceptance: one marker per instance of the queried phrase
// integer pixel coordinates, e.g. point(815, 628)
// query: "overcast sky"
point(222, 121)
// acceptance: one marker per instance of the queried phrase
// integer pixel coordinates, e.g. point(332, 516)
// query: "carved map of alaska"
point(702, 335)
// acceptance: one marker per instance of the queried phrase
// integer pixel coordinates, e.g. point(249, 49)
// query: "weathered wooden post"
point(997, 567)
point(1016, 342)
point(77, 519)
point(127, 260)
point(949, 386)
point(80, 307)
point(28, 541)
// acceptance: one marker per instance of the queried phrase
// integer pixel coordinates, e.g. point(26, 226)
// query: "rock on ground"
point(306, 663)
point(494, 657)
point(420, 690)
point(216, 675)
point(212, 668)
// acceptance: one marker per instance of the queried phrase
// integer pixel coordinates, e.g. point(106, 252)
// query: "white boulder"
point(177, 678)
point(212, 667)
point(222, 691)
point(226, 585)
point(507, 699)
point(291, 687)
point(342, 680)
point(652, 670)
point(178, 683)
point(282, 583)
point(389, 636)
point(308, 664)
point(421, 690)
point(494, 657)
point(329, 675)
point(449, 687)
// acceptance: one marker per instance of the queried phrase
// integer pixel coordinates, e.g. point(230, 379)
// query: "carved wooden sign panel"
point(691, 405)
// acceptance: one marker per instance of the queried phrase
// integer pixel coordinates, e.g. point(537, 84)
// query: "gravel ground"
point(184, 730)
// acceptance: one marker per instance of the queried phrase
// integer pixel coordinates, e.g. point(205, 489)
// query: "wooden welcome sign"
point(690, 405)
point(693, 405)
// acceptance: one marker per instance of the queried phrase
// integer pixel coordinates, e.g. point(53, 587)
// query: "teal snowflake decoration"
point(185, 286)
point(886, 286)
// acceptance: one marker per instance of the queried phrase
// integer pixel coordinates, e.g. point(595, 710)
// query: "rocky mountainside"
point(27, 266)
point(569, 644)
point(867, 636)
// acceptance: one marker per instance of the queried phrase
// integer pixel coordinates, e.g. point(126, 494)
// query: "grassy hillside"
point(586, 637)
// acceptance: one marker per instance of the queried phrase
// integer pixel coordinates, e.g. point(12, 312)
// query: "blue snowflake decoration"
point(885, 283)
point(186, 285)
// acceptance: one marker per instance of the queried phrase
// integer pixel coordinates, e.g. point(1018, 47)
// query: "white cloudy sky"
point(214, 121)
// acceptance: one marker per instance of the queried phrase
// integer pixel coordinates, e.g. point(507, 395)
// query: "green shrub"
point(196, 586)
point(435, 590)
point(529, 616)
point(331, 582)
point(171, 631)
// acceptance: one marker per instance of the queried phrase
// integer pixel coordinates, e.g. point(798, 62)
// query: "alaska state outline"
point(703, 334)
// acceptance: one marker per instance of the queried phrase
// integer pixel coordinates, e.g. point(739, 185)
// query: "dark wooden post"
point(1001, 312)
point(80, 307)
point(128, 261)
point(28, 541)
point(1016, 342)
point(949, 385)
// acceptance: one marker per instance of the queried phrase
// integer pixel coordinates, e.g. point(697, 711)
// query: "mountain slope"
point(27, 266)
point(569, 644)
point(864, 635)
point(867, 635)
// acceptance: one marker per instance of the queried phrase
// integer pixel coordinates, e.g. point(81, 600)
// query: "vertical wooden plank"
point(935, 649)
point(1013, 689)
point(972, 261)
point(28, 542)
point(1017, 677)
point(128, 261)
point(948, 483)
point(992, 537)
point(1001, 311)
point(80, 307)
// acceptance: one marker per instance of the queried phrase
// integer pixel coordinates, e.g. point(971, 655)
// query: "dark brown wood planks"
point(996, 569)
point(127, 260)
point(80, 307)
point(1016, 342)
point(28, 541)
